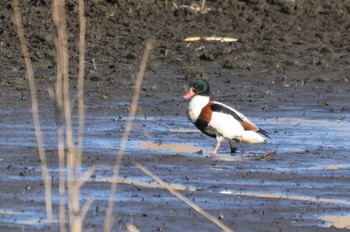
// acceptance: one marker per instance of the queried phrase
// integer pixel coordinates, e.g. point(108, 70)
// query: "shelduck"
point(218, 120)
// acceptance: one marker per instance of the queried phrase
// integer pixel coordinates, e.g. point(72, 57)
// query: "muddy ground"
point(289, 72)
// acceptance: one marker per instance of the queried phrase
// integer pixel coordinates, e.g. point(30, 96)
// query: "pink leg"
point(218, 139)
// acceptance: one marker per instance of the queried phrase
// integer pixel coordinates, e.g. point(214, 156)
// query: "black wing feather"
point(223, 109)
point(264, 133)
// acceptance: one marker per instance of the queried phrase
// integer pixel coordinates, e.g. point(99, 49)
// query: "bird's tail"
point(252, 137)
point(261, 131)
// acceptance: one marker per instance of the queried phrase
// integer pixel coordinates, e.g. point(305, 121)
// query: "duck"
point(218, 120)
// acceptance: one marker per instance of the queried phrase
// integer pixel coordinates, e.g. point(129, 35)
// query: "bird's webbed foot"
point(232, 147)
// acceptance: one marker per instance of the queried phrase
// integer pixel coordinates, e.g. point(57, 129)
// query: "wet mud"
point(288, 72)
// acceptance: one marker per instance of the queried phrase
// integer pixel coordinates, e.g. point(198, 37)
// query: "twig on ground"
point(211, 38)
point(194, 7)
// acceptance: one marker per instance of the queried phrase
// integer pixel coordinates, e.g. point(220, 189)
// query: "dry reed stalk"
point(35, 111)
point(74, 155)
point(61, 185)
point(145, 184)
point(59, 17)
point(81, 104)
point(81, 110)
point(60, 147)
point(131, 228)
point(108, 217)
point(84, 178)
point(85, 208)
point(203, 5)
point(184, 199)
point(60, 139)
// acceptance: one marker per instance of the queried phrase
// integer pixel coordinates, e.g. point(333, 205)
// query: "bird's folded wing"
point(222, 108)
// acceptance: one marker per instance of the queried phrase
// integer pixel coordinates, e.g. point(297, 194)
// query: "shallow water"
point(309, 166)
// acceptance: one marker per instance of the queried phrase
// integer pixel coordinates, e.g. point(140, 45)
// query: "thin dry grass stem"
point(184, 199)
point(85, 177)
point(145, 184)
point(131, 228)
point(108, 217)
point(35, 111)
point(61, 185)
point(74, 153)
point(57, 96)
point(203, 5)
point(60, 136)
point(60, 130)
point(81, 109)
point(85, 208)
point(61, 166)
point(59, 17)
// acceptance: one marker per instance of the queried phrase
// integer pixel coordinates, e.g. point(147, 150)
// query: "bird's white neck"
point(195, 107)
